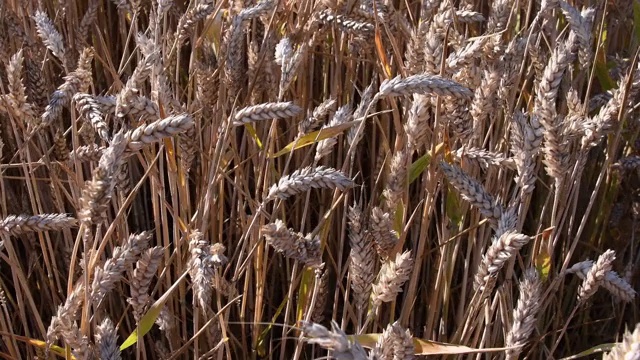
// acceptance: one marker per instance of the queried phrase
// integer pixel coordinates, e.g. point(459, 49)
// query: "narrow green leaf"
point(147, 321)
point(636, 20)
point(418, 167)
point(594, 350)
point(314, 137)
point(425, 347)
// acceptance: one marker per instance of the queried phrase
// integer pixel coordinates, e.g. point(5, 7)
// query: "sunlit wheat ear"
point(63, 324)
point(96, 193)
point(417, 126)
point(382, 233)
point(75, 82)
point(123, 257)
point(91, 152)
point(395, 343)
point(106, 339)
point(16, 100)
point(49, 35)
point(345, 23)
point(581, 23)
point(484, 158)
point(362, 256)
point(190, 18)
point(353, 137)
point(146, 268)
point(524, 315)
point(305, 179)
point(305, 249)
point(157, 131)
point(424, 85)
point(325, 146)
point(628, 348)
point(200, 270)
point(20, 224)
point(317, 314)
point(267, 111)
point(397, 179)
point(92, 112)
point(502, 250)
point(311, 123)
point(616, 285)
point(595, 276)
point(473, 192)
point(335, 340)
point(393, 274)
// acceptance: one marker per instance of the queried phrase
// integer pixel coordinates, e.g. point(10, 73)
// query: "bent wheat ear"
point(628, 348)
point(524, 315)
point(267, 111)
point(393, 274)
point(106, 339)
point(335, 340)
point(20, 224)
point(595, 276)
point(305, 249)
point(425, 85)
point(49, 35)
point(157, 131)
point(616, 285)
point(473, 192)
point(305, 179)
point(502, 249)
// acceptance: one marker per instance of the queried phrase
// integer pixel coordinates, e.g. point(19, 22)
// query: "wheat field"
point(319, 179)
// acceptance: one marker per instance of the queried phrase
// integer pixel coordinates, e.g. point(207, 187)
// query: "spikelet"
point(188, 20)
point(616, 285)
point(91, 110)
point(381, 230)
point(325, 146)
